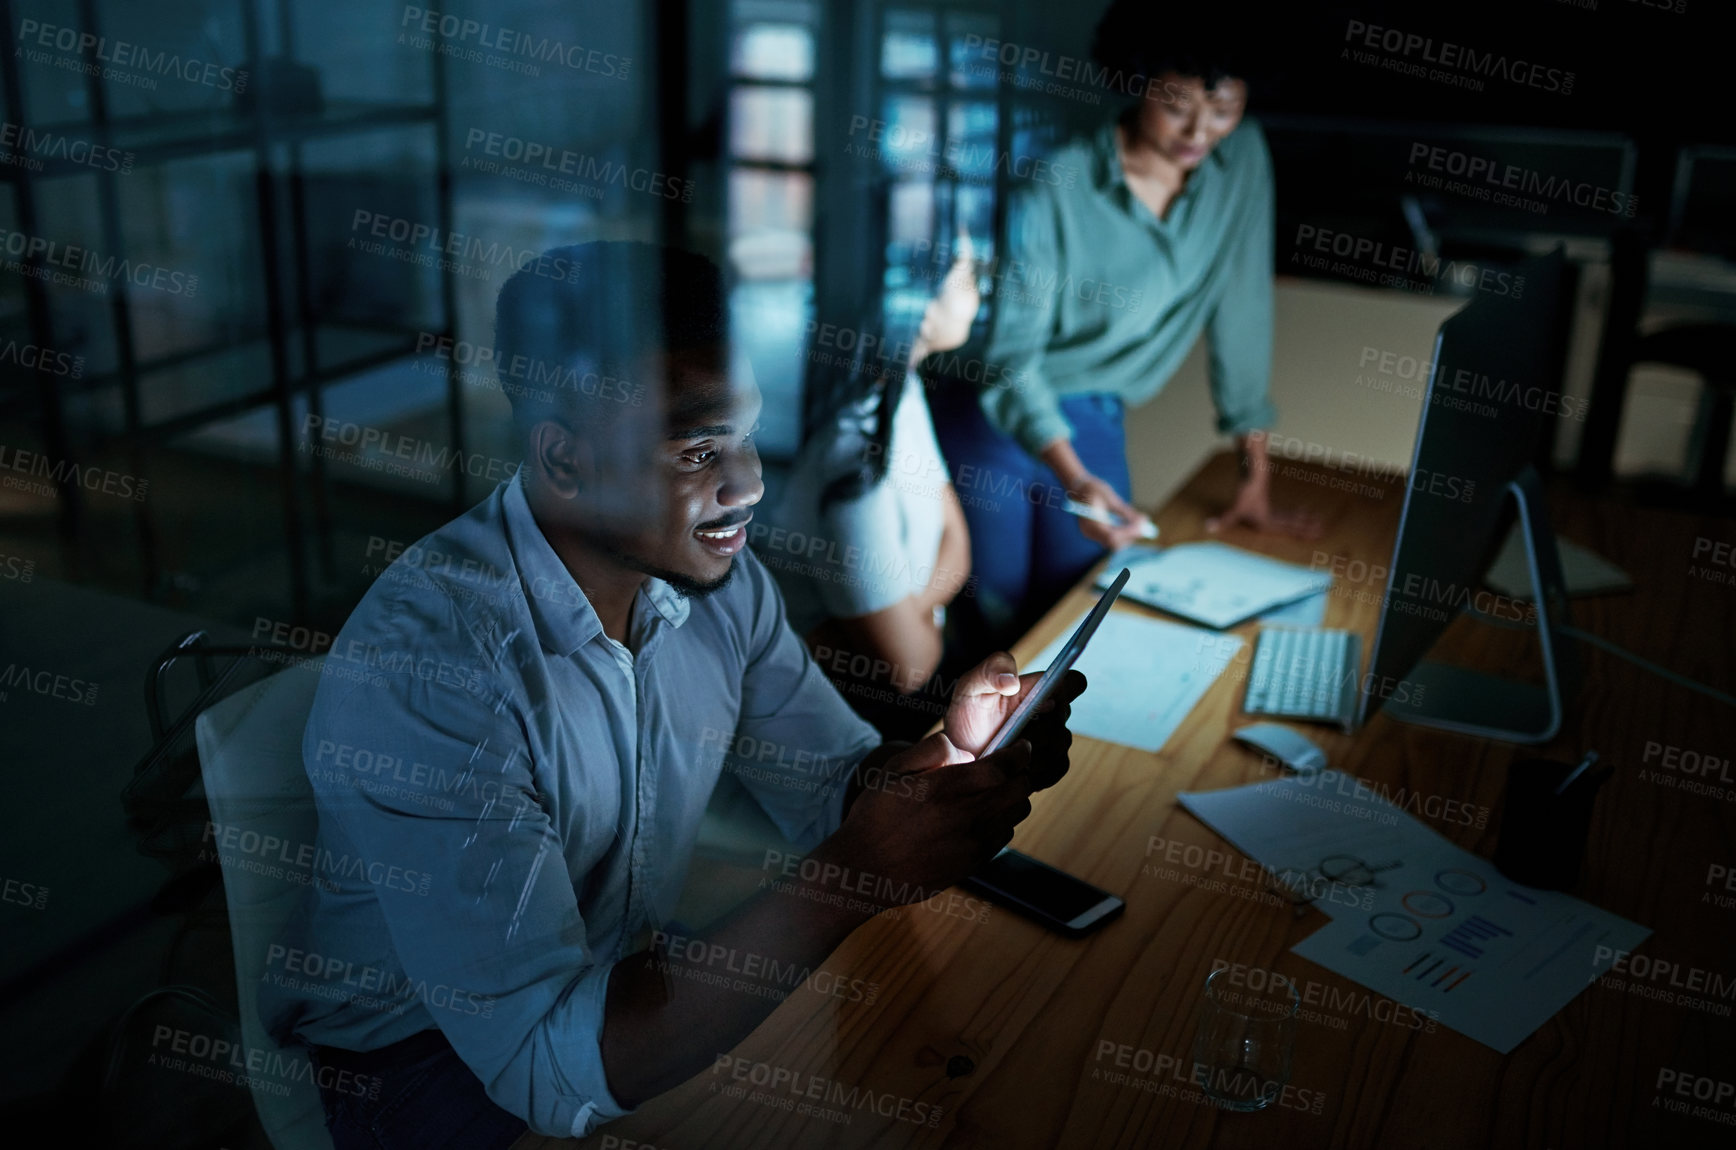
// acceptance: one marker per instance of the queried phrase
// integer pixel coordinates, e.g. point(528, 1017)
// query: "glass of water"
point(1247, 1037)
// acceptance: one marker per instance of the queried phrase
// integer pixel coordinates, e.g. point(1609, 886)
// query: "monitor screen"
point(1494, 388)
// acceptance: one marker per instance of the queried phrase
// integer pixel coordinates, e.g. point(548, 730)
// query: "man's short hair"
point(572, 328)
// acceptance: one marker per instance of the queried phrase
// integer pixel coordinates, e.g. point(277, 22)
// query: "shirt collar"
point(1108, 176)
point(564, 617)
point(670, 604)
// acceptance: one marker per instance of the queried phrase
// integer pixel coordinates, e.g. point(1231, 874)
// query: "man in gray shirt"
point(528, 735)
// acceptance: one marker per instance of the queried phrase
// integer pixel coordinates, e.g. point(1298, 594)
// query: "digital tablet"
point(1062, 664)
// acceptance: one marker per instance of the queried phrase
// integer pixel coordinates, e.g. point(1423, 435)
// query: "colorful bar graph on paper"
point(1463, 948)
point(1423, 967)
point(1467, 938)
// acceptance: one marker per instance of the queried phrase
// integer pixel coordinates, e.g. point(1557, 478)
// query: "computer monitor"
point(1493, 390)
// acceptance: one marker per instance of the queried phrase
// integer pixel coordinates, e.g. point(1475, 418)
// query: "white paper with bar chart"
point(1413, 917)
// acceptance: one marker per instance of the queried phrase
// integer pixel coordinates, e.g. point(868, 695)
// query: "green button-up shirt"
point(1097, 294)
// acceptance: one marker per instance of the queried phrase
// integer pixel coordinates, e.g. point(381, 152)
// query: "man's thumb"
point(996, 675)
point(936, 751)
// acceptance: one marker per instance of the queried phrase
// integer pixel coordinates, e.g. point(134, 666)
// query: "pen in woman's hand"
point(1147, 529)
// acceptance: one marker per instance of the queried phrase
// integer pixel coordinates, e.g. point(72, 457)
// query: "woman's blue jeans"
point(1025, 550)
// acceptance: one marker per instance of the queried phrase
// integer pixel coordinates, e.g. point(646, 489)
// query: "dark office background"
point(183, 390)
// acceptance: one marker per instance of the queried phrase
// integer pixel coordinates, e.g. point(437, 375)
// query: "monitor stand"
point(1477, 703)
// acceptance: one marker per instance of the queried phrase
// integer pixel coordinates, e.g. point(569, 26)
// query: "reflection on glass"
point(772, 124)
point(773, 52)
point(911, 139)
point(904, 307)
point(768, 322)
point(970, 55)
point(970, 138)
point(908, 50)
point(771, 215)
point(974, 213)
point(1036, 134)
point(910, 212)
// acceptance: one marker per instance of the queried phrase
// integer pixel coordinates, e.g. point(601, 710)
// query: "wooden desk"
point(1000, 1024)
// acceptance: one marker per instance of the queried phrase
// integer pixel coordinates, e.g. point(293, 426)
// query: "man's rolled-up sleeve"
point(789, 705)
point(488, 931)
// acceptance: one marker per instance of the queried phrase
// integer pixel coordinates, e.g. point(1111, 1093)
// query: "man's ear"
point(562, 459)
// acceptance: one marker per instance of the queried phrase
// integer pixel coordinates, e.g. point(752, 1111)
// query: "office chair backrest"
point(260, 800)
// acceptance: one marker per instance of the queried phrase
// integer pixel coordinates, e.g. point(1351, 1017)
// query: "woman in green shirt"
point(1106, 282)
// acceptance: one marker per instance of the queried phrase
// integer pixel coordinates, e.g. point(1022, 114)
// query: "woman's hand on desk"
point(1253, 503)
point(1253, 508)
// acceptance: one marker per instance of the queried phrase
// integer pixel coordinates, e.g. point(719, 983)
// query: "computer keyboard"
point(1305, 673)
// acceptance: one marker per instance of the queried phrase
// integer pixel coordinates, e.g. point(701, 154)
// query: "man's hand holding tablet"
point(1031, 699)
point(933, 813)
point(993, 706)
point(989, 695)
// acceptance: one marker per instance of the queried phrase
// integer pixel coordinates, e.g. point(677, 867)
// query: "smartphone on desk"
point(1056, 899)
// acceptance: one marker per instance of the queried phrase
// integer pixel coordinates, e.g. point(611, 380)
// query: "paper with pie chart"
point(1436, 928)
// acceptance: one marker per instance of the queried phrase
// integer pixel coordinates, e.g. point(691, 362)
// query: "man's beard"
point(683, 585)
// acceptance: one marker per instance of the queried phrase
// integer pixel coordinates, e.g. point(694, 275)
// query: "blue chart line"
point(1526, 899)
point(1468, 935)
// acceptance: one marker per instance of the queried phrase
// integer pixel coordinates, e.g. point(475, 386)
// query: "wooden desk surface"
point(999, 1024)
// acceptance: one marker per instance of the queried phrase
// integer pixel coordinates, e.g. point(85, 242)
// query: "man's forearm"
point(672, 1010)
point(665, 1020)
point(874, 761)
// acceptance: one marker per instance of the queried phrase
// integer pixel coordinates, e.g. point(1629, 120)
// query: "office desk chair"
point(250, 760)
point(250, 756)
